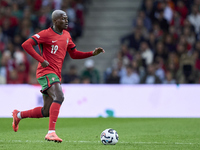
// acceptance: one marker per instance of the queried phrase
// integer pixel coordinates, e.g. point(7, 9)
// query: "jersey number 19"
point(54, 49)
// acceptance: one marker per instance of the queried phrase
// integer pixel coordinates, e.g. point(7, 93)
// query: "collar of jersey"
point(56, 31)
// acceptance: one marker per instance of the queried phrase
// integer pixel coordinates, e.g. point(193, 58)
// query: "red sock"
point(32, 113)
point(53, 115)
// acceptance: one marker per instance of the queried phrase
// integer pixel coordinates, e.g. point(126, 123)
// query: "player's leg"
point(47, 104)
point(55, 92)
point(18, 115)
point(37, 112)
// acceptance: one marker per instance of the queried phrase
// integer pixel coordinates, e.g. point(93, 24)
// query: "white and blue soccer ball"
point(109, 137)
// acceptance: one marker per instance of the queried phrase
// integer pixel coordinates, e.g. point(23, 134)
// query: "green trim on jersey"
point(56, 31)
point(47, 81)
point(34, 40)
point(41, 48)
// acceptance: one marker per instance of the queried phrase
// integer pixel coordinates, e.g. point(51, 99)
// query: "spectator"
point(184, 42)
point(11, 48)
point(57, 4)
point(80, 19)
point(75, 11)
point(194, 18)
point(5, 59)
point(126, 54)
point(8, 22)
point(134, 65)
point(158, 32)
point(169, 43)
point(180, 49)
point(131, 76)
point(160, 51)
point(146, 53)
point(159, 68)
point(3, 41)
point(18, 74)
point(31, 17)
point(71, 76)
point(44, 18)
point(133, 40)
point(72, 18)
point(148, 8)
point(187, 23)
point(181, 8)
point(164, 25)
point(189, 35)
point(17, 41)
point(169, 79)
point(172, 64)
point(150, 76)
point(16, 11)
point(197, 55)
point(187, 72)
point(139, 64)
point(139, 25)
point(7, 14)
point(177, 21)
point(113, 78)
point(167, 11)
point(121, 68)
point(90, 72)
point(145, 19)
point(152, 41)
point(174, 32)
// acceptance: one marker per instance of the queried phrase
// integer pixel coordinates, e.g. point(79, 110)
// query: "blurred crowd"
point(163, 47)
point(21, 19)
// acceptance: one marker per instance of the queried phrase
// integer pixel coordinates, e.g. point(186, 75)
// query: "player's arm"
point(28, 47)
point(75, 54)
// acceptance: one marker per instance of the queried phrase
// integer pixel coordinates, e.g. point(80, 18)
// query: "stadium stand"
point(163, 46)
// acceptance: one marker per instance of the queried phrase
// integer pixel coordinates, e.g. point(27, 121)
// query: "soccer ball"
point(109, 137)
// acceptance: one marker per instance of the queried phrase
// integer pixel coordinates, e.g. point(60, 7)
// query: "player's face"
point(63, 22)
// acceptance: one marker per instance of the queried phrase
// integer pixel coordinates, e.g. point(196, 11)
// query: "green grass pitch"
point(84, 134)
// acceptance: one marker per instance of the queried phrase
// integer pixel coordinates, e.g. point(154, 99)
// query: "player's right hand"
point(45, 63)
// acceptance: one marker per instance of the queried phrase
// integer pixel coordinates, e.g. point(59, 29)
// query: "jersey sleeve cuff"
point(91, 52)
point(73, 48)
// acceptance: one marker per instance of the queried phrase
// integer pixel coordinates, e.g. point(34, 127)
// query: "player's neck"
point(57, 29)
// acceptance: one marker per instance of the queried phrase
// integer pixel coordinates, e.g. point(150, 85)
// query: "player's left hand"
point(98, 51)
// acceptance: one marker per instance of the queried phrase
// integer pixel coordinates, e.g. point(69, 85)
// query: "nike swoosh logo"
point(54, 41)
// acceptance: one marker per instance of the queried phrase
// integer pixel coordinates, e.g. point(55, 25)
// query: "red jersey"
point(53, 47)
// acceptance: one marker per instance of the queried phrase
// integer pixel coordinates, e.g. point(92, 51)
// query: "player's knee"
point(60, 97)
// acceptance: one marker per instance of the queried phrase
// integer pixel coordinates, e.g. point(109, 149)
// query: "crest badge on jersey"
point(53, 78)
point(67, 41)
